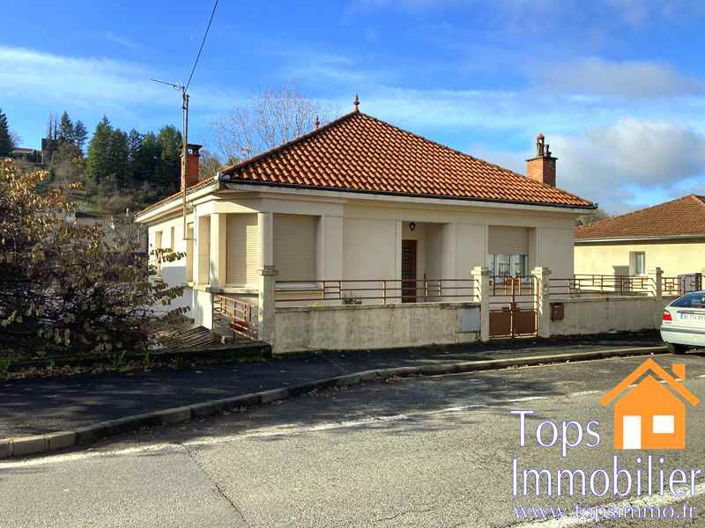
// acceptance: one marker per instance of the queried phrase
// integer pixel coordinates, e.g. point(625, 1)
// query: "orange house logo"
point(650, 411)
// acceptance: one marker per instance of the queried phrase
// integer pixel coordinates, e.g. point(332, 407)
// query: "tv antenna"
point(184, 145)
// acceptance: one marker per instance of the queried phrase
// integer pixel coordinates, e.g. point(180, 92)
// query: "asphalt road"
point(428, 452)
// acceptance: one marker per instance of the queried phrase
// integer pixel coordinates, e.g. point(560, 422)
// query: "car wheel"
point(676, 349)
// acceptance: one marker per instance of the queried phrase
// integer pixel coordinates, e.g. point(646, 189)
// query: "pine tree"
point(169, 171)
point(99, 151)
point(6, 143)
point(119, 154)
point(66, 132)
point(80, 134)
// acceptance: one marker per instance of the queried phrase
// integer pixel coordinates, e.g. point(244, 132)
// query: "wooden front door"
point(408, 271)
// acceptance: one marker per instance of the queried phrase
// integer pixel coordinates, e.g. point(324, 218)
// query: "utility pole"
point(184, 154)
point(184, 147)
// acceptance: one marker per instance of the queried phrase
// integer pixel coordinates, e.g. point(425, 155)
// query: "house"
point(652, 414)
point(361, 212)
point(670, 236)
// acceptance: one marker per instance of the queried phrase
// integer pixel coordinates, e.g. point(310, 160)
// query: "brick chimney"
point(542, 168)
point(192, 156)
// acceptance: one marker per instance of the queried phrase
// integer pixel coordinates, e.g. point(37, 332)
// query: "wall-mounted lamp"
point(412, 226)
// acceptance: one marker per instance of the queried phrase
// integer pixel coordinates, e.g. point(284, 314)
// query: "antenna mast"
point(184, 146)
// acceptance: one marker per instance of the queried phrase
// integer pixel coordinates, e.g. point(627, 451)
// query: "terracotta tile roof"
point(360, 153)
point(682, 217)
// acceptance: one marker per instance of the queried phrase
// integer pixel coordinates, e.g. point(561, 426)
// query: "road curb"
point(43, 443)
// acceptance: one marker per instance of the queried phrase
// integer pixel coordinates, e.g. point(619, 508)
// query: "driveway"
point(431, 452)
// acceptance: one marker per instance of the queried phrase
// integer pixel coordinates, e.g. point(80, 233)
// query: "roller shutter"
point(295, 247)
point(505, 240)
point(243, 249)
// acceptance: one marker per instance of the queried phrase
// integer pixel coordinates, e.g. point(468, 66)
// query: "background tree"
point(167, 177)
point(208, 164)
point(6, 139)
point(66, 287)
point(99, 151)
point(270, 118)
point(80, 135)
point(66, 133)
point(591, 218)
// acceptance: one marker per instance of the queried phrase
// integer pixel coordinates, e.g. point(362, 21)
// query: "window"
point(243, 249)
point(637, 263)
point(508, 264)
point(204, 249)
point(295, 247)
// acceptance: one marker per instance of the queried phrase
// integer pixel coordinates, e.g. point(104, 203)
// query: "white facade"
point(310, 236)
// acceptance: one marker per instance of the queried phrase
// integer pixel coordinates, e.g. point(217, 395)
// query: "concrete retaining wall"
point(359, 327)
point(609, 314)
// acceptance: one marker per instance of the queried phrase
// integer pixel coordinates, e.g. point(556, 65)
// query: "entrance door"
point(408, 271)
point(631, 432)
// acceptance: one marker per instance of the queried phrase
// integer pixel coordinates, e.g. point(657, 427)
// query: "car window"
point(692, 300)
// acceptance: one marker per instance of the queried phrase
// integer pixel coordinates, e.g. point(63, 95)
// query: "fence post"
point(481, 295)
point(266, 318)
point(658, 277)
point(543, 301)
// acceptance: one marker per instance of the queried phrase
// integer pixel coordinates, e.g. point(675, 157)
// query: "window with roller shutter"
point(508, 240)
point(295, 247)
point(242, 249)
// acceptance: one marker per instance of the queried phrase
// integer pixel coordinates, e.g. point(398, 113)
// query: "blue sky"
point(617, 86)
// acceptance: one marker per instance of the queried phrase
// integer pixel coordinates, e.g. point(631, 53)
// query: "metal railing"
point(241, 315)
point(682, 284)
point(358, 291)
point(580, 285)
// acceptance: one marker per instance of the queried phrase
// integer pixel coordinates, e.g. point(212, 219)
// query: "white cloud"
point(95, 83)
point(122, 41)
point(602, 77)
point(613, 165)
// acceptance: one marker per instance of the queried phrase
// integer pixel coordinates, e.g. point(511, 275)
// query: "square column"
point(266, 298)
point(481, 277)
point(543, 301)
point(218, 249)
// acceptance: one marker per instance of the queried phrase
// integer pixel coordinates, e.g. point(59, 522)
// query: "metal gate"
point(513, 303)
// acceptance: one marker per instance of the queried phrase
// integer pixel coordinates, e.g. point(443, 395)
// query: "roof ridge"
point(244, 163)
point(698, 198)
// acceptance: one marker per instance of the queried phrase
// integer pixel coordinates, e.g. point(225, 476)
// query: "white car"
point(683, 324)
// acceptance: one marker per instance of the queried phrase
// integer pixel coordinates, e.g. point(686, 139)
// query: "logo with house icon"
point(651, 408)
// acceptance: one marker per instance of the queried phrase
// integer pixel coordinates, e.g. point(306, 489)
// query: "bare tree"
point(272, 117)
point(591, 218)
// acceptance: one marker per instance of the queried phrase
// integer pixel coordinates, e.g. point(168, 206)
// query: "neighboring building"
point(360, 199)
point(670, 236)
point(27, 154)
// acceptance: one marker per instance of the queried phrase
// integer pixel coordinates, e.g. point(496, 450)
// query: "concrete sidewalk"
point(37, 406)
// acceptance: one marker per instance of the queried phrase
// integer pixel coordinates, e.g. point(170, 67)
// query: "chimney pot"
point(192, 156)
point(542, 168)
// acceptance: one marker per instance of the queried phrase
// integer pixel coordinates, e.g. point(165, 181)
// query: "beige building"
point(377, 210)
point(670, 236)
